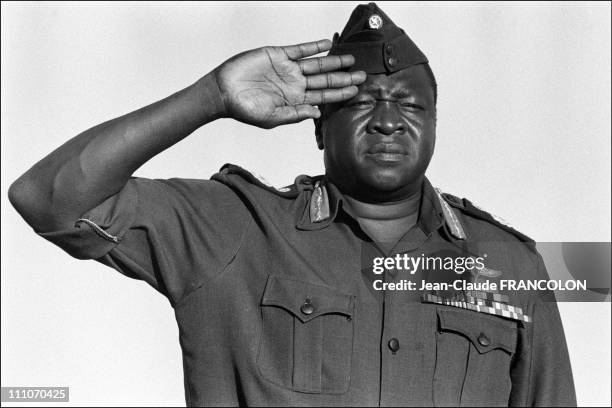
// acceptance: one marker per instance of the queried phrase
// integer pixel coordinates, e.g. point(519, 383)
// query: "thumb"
point(294, 114)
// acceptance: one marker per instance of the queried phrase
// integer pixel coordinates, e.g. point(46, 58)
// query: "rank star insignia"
point(375, 21)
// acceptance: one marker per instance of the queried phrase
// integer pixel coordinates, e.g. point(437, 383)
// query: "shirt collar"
point(325, 200)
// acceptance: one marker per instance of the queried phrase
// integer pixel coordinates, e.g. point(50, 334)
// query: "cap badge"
point(375, 21)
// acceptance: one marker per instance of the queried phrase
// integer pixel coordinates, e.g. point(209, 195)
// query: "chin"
point(386, 181)
point(390, 178)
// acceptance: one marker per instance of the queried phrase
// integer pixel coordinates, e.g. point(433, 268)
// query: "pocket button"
point(394, 345)
point(484, 340)
point(307, 308)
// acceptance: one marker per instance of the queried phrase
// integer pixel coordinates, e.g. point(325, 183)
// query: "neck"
point(386, 210)
point(366, 193)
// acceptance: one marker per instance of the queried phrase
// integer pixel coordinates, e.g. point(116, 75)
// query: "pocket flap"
point(486, 332)
point(305, 300)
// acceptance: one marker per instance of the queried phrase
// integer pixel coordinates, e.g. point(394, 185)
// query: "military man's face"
point(378, 144)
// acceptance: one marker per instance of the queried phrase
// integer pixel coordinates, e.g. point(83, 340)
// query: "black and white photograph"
point(305, 203)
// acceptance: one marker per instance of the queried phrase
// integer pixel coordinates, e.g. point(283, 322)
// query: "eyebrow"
point(376, 89)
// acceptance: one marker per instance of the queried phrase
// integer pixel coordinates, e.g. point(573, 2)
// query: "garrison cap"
point(378, 45)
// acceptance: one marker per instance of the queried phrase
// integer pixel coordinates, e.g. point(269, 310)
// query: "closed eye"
point(412, 106)
point(363, 103)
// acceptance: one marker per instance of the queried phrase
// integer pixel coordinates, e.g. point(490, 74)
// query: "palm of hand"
point(263, 81)
point(271, 86)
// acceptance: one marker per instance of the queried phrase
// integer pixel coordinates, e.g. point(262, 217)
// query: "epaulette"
point(290, 191)
point(469, 208)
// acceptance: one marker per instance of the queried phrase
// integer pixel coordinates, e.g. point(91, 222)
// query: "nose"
point(386, 119)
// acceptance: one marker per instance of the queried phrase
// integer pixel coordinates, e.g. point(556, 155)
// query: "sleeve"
point(541, 371)
point(174, 234)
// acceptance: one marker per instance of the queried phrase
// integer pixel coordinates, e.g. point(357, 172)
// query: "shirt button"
point(392, 61)
point(307, 308)
point(394, 345)
point(389, 48)
point(483, 340)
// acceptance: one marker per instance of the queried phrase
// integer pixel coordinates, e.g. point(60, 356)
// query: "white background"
point(523, 131)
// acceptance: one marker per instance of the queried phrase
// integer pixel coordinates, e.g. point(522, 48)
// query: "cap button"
point(389, 48)
point(392, 62)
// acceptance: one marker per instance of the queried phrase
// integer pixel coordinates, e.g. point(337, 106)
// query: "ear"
point(319, 133)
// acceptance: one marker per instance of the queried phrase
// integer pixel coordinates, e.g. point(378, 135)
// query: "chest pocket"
point(307, 337)
point(473, 354)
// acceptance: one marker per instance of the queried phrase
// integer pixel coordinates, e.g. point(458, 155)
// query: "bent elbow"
point(19, 195)
point(25, 197)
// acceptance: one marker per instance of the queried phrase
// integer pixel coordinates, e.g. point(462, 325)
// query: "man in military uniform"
point(274, 290)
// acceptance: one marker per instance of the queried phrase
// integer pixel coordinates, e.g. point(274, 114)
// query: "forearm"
point(97, 163)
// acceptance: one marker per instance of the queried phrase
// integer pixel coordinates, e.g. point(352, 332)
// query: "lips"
point(387, 152)
point(389, 148)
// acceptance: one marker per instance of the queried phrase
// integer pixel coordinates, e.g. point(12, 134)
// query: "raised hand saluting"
point(265, 87)
point(272, 86)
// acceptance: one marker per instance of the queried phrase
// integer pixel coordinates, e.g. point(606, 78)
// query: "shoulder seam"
point(467, 207)
point(228, 169)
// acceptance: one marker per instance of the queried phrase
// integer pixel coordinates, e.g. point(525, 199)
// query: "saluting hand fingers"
point(295, 52)
point(321, 97)
point(325, 64)
point(335, 80)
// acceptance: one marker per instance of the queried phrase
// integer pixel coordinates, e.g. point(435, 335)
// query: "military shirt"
point(273, 295)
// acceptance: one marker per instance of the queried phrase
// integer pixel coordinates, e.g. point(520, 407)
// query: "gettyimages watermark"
point(547, 271)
